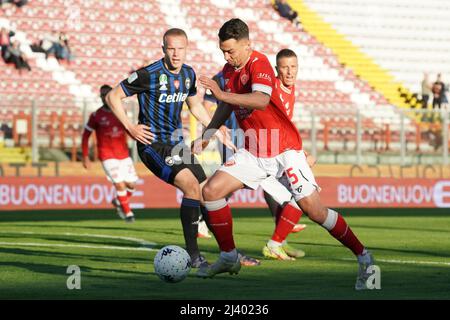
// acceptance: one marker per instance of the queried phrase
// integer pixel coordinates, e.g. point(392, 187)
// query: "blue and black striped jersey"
point(161, 95)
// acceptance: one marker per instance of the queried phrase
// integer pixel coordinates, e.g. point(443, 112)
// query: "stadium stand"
point(109, 39)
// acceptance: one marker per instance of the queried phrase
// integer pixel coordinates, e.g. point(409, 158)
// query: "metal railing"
point(363, 136)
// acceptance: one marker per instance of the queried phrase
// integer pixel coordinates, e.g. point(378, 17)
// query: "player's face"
point(287, 68)
point(175, 52)
point(236, 52)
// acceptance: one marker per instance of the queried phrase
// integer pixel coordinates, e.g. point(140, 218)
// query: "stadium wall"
point(28, 193)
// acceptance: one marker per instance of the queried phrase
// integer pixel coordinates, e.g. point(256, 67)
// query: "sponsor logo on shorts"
point(169, 161)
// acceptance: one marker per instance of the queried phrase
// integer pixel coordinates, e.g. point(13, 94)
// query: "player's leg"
point(305, 192)
point(170, 168)
point(112, 168)
point(282, 229)
point(189, 209)
point(131, 188)
point(336, 225)
point(242, 169)
point(128, 173)
point(203, 227)
point(221, 223)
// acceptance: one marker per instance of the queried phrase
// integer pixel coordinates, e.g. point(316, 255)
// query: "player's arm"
point(222, 113)
point(85, 147)
point(114, 99)
point(255, 100)
point(198, 110)
point(202, 115)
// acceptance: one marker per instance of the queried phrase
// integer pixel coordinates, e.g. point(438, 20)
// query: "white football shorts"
point(120, 170)
point(257, 172)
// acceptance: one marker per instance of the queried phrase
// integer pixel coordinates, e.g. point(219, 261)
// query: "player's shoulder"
point(97, 112)
point(188, 68)
point(258, 56)
point(218, 76)
point(153, 67)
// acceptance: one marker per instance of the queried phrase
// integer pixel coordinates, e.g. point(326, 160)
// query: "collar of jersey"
point(238, 69)
point(285, 89)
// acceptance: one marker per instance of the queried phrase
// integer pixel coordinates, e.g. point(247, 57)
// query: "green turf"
point(327, 272)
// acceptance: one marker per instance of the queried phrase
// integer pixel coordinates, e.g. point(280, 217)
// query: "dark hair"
point(174, 32)
point(104, 89)
point(285, 53)
point(234, 29)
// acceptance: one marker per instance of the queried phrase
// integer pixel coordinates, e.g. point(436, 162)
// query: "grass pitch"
point(412, 248)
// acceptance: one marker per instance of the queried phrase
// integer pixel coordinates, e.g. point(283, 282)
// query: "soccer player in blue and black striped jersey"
point(237, 135)
point(162, 88)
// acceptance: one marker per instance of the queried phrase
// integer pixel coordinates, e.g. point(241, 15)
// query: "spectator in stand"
point(49, 43)
point(5, 40)
point(285, 10)
point(7, 131)
point(14, 54)
point(426, 91)
point(438, 90)
point(17, 3)
point(62, 49)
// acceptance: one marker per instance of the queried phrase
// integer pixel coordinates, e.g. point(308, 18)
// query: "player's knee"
point(318, 214)
point(120, 186)
point(314, 209)
point(191, 190)
point(209, 192)
point(130, 185)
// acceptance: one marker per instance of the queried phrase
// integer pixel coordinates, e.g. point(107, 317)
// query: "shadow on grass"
point(108, 214)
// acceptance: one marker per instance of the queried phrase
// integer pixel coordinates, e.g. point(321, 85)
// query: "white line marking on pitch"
point(144, 244)
point(438, 263)
point(34, 244)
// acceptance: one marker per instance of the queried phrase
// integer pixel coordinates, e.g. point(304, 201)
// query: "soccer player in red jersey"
point(287, 70)
point(272, 147)
point(113, 152)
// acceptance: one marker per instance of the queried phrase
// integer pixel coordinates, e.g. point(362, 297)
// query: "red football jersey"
point(287, 96)
point(111, 135)
point(269, 132)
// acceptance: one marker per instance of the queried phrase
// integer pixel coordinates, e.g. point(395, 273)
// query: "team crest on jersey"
point(176, 83)
point(163, 82)
point(244, 79)
point(187, 83)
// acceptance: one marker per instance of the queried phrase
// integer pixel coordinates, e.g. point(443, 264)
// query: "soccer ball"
point(172, 264)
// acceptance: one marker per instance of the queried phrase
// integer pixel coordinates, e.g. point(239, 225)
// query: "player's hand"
point(86, 163)
point(212, 85)
point(224, 136)
point(142, 133)
point(198, 145)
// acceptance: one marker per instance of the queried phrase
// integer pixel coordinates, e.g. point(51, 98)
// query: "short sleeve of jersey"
point(262, 76)
point(137, 82)
point(193, 88)
point(91, 124)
